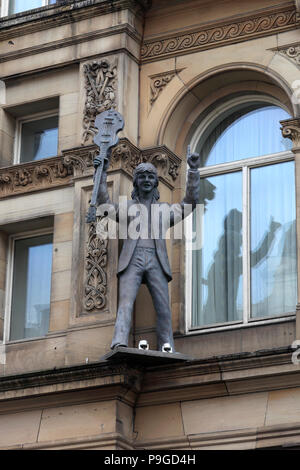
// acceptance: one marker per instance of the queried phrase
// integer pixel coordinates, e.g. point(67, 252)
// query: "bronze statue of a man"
point(144, 259)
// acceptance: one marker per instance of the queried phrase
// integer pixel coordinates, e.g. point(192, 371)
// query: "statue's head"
point(141, 182)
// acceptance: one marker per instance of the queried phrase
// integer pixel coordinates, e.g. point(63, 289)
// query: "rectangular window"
point(11, 7)
point(37, 138)
point(31, 286)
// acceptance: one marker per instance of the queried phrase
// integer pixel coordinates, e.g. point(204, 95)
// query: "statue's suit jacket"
point(166, 219)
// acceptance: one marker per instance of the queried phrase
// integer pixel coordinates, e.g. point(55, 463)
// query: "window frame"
point(5, 8)
point(244, 166)
point(18, 132)
point(9, 281)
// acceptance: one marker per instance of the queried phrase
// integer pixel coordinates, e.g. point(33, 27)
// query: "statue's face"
point(146, 181)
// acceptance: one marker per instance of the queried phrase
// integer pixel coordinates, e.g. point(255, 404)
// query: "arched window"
point(245, 270)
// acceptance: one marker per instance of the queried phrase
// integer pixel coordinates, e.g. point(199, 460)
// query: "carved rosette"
point(100, 83)
point(291, 129)
point(95, 284)
point(34, 176)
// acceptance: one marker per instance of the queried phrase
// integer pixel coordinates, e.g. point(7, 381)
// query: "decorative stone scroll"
point(225, 32)
point(100, 84)
point(95, 283)
point(158, 83)
point(34, 176)
point(291, 129)
point(80, 159)
point(293, 53)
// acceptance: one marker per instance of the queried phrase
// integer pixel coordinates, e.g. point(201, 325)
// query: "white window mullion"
point(246, 245)
point(4, 7)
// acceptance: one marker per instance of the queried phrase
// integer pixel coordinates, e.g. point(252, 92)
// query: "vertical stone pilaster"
point(291, 129)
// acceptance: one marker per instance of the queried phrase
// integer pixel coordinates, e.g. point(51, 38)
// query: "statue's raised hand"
point(193, 159)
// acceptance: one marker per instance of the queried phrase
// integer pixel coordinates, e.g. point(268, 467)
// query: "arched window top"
point(246, 131)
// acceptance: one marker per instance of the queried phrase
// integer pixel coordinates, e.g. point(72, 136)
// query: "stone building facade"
point(167, 67)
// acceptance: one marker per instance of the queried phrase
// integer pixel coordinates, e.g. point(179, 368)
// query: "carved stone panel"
point(95, 282)
point(100, 79)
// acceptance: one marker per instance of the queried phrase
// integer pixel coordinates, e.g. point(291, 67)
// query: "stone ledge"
point(252, 438)
point(196, 379)
point(64, 12)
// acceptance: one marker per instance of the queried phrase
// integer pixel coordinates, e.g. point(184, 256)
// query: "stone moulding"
point(55, 15)
point(217, 34)
point(74, 40)
point(34, 176)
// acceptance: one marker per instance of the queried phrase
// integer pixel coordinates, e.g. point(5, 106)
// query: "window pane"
point(39, 139)
point(246, 133)
point(16, 6)
point(273, 240)
point(217, 267)
point(31, 287)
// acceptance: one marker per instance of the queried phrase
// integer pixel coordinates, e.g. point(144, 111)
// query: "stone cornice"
point(125, 157)
point(63, 13)
point(71, 41)
point(78, 163)
point(215, 34)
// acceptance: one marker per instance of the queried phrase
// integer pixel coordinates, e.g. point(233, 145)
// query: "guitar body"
point(108, 123)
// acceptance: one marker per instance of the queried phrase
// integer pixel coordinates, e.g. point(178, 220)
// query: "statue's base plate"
point(149, 358)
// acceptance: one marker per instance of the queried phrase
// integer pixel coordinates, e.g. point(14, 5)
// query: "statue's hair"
point(141, 168)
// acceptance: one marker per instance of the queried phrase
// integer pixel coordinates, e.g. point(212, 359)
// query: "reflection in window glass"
point(16, 6)
point(246, 133)
point(273, 240)
point(39, 139)
point(217, 267)
point(31, 287)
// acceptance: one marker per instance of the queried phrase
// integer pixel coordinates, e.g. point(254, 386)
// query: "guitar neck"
point(103, 150)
